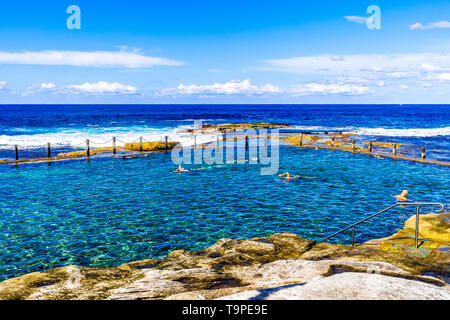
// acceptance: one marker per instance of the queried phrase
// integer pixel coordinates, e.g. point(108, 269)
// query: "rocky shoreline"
point(280, 266)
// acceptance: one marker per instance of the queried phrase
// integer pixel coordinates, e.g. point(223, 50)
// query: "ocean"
point(66, 127)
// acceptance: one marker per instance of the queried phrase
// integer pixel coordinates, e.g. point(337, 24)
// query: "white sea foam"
point(97, 136)
point(192, 120)
point(76, 137)
point(411, 132)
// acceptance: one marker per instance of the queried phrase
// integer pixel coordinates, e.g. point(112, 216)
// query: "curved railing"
point(417, 204)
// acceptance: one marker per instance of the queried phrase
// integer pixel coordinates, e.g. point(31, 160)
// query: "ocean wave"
point(99, 137)
point(76, 137)
point(192, 120)
point(412, 132)
point(388, 132)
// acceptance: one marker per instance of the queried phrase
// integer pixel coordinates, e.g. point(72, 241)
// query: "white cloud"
point(443, 76)
point(47, 86)
point(439, 77)
point(373, 82)
point(431, 25)
point(356, 19)
point(120, 59)
point(398, 74)
point(103, 87)
point(232, 87)
point(403, 86)
point(326, 89)
point(3, 85)
point(379, 67)
point(42, 88)
point(428, 67)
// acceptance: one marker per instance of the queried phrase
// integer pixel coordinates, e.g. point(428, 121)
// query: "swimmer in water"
point(402, 196)
point(180, 169)
point(377, 156)
point(288, 176)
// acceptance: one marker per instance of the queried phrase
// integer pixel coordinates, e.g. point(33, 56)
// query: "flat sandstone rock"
point(349, 286)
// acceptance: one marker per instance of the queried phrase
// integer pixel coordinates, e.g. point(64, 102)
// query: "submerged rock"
point(231, 266)
point(148, 279)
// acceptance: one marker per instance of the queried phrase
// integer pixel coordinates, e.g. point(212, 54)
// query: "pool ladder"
point(417, 204)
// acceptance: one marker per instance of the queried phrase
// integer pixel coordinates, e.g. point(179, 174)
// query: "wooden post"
point(332, 141)
point(423, 153)
point(265, 140)
point(195, 142)
point(246, 142)
point(166, 140)
point(353, 145)
point(394, 149)
point(218, 143)
point(370, 146)
point(49, 152)
point(114, 145)
point(140, 145)
point(300, 141)
point(16, 151)
point(88, 151)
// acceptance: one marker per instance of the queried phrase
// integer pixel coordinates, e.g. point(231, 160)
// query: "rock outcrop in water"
point(434, 235)
point(92, 152)
point(146, 146)
point(280, 266)
point(228, 127)
point(150, 146)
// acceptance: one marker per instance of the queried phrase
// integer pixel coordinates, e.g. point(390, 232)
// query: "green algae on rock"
point(434, 235)
point(92, 152)
point(433, 226)
point(227, 127)
point(150, 146)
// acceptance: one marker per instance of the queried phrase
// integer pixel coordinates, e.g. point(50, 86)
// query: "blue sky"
point(225, 52)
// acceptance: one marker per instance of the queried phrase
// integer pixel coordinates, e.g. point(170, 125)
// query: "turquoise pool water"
point(111, 211)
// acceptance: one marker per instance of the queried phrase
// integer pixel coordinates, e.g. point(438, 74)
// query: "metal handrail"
point(418, 204)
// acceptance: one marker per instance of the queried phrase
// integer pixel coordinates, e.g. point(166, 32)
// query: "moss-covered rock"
point(92, 152)
point(434, 233)
point(296, 139)
point(433, 227)
point(432, 254)
point(150, 146)
point(227, 127)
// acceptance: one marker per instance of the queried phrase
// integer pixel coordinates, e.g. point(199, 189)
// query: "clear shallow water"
point(67, 126)
point(111, 211)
